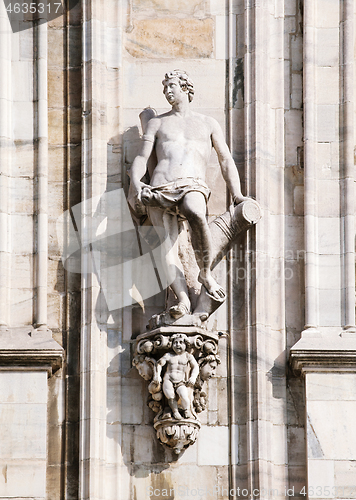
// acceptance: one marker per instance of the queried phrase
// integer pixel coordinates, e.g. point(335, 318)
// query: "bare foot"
point(212, 286)
point(177, 415)
point(178, 310)
point(188, 414)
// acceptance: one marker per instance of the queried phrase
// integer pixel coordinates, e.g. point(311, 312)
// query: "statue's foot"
point(177, 415)
point(212, 286)
point(188, 414)
point(178, 310)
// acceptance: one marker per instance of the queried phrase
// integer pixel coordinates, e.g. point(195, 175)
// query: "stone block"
point(297, 91)
point(131, 393)
point(54, 310)
point(329, 272)
point(218, 8)
point(171, 38)
point(23, 481)
point(213, 445)
point(331, 387)
point(336, 435)
point(293, 135)
point(144, 444)
point(327, 47)
point(298, 199)
point(327, 122)
point(22, 117)
point(345, 473)
point(22, 81)
point(221, 39)
point(329, 198)
point(56, 97)
point(327, 81)
point(22, 196)
point(56, 126)
point(22, 234)
point(21, 275)
point(329, 235)
point(327, 14)
point(320, 476)
point(290, 8)
point(297, 53)
point(329, 307)
point(26, 44)
point(157, 6)
point(56, 48)
point(25, 387)
point(323, 156)
point(296, 445)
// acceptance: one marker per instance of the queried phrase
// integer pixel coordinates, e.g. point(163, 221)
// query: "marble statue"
point(178, 355)
point(182, 140)
point(175, 382)
point(177, 366)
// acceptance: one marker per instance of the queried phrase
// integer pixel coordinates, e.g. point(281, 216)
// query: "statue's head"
point(185, 82)
point(179, 342)
point(143, 365)
point(208, 365)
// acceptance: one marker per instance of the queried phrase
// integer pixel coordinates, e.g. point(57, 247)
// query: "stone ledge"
point(28, 349)
point(321, 354)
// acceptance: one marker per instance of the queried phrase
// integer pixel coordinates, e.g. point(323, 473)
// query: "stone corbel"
point(177, 362)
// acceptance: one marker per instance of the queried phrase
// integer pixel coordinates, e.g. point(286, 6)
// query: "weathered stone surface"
point(167, 38)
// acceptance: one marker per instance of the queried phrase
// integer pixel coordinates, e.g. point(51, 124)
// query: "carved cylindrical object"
point(225, 228)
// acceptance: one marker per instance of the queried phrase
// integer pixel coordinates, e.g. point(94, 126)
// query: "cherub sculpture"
point(181, 373)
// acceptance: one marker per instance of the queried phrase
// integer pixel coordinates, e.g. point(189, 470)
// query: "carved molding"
point(323, 355)
point(30, 349)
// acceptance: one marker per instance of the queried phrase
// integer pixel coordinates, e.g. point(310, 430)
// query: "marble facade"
point(77, 284)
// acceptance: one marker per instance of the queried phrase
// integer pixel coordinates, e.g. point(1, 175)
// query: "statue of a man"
point(182, 140)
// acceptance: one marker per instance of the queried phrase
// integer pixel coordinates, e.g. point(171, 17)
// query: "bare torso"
point(176, 367)
point(183, 147)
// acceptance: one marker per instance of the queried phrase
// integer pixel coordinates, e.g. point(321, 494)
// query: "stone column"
point(101, 49)
point(264, 291)
point(325, 355)
point(5, 159)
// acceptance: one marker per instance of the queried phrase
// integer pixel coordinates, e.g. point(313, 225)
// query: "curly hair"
point(184, 81)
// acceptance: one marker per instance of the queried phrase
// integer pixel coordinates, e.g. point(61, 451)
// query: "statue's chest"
point(184, 132)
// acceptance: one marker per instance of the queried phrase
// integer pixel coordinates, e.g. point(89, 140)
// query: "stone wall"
point(279, 78)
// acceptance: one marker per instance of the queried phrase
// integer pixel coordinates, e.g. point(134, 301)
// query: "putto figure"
point(175, 381)
point(182, 140)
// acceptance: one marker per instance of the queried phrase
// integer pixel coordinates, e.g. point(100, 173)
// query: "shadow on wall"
point(128, 272)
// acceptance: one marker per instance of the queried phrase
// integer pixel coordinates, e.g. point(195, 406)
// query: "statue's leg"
point(182, 392)
point(193, 207)
point(170, 258)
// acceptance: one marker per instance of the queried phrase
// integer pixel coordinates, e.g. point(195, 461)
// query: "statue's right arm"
point(160, 363)
point(139, 165)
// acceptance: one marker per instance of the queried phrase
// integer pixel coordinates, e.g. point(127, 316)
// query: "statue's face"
point(173, 91)
point(145, 370)
point(208, 370)
point(178, 346)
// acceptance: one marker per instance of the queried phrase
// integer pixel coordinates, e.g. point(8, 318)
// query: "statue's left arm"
point(195, 370)
point(227, 164)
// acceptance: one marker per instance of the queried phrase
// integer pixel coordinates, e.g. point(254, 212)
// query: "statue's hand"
point(190, 383)
point(239, 199)
point(135, 197)
point(146, 195)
